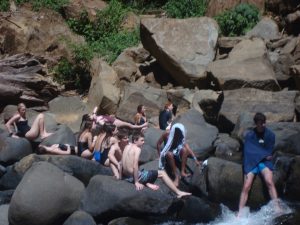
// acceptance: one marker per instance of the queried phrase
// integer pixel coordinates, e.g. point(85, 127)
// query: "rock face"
point(103, 92)
point(200, 135)
point(39, 33)
point(116, 201)
point(4, 214)
point(246, 66)
point(13, 149)
point(46, 195)
point(277, 106)
point(149, 151)
point(183, 47)
point(218, 6)
point(80, 218)
point(22, 80)
point(68, 111)
point(266, 29)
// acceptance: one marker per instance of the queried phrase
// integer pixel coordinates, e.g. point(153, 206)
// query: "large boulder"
point(69, 114)
point(23, 79)
point(266, 29)
point(277, 106)
point(46, 195)
point(292, 183)
point(78, 167)
point(40, 33)
point(103, 91)
point(4, 214)
point(116, 201)
point(13, 149)
point(199, 134)
point(5, 196)
point(184, 47)
point(80, 218)
point(246, 66)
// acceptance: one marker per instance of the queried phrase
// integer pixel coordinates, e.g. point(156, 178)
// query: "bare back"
point(130, 159)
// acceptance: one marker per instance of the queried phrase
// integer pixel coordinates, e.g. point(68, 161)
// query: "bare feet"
point(181, 194)
point(152, 186)
point(45, 135)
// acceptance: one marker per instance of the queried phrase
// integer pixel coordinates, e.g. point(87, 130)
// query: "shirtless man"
point(130, 169)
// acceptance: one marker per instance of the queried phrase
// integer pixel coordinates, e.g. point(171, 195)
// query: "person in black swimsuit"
point(140, 116)
point(20, 121)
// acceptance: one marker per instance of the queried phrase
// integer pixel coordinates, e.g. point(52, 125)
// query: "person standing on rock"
point(258, 149)
point(165, 116)
point(20, 121)
point(142, 178)
point(176, 151)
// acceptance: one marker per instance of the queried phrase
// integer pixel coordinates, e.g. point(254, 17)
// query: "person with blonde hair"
point(19, 120)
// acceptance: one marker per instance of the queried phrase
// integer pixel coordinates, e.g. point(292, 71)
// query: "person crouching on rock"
point(142, 178)
point(176, 151)
point(20, 121)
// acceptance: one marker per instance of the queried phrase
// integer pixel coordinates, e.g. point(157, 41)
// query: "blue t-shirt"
point(164, 117)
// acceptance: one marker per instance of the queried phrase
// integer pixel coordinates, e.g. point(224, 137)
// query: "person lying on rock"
point(258, 149)
point(101, 119)
point(165, 116)
point(175, 152)
point(20, 121)
point(58, 149)
point(102, 153)
point(142, 178)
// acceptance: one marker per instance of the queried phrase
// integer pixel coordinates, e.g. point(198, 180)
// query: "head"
point(141, 109)
point(97, 129)
point(109, 129)
point(122, 136)
point(138, 139)
point(260, 121)
point(21, 109)
point(169, 106)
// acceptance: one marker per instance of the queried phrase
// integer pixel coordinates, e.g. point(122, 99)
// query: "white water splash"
point(265, 216)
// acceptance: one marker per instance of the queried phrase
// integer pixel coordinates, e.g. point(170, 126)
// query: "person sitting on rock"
point(165, 116)
point(86, 142)
point(103, 145)
point(20, 121)
point(142, 178)
point(175, 151)
point(140, 116)
point(258, 149)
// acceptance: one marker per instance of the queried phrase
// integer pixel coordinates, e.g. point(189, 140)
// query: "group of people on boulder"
point(103, 139)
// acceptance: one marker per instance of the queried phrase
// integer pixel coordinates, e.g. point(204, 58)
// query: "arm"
point(192, 154)
point(111, 154)
point(137, 184)
point(10, 122)
point(91, 141)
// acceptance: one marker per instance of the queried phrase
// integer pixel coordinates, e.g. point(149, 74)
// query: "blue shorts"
point(258, 168)
point(97, 156)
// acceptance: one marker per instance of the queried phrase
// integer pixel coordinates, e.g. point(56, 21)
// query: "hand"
point(138, 186)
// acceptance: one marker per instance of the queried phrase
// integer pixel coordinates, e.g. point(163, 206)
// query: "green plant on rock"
point(239, 20)
point(185, 8)
point(4, 5)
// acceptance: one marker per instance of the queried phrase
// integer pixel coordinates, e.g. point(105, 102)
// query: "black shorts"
point(148, 176)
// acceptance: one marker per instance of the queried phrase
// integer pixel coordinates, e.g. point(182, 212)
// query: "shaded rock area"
point(128, 221)
point(80, 218)
point(23, 80)
point(46, 195)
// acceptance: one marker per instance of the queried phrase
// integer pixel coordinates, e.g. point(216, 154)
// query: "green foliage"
point(144, 5)
point(185, 8)
point(239, 20)
point(4, 5)
point(51, 4)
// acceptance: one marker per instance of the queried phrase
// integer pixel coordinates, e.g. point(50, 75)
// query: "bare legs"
point(171, 161)
point(38, 128)
point(162, 174)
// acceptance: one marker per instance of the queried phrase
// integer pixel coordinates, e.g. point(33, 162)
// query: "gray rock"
point(5, 196)
point(184, 47)
point(80, 218)
point(266, 29)
point(292, 183)
point(63, 135)
point(129, 221)
point(4, 214)
point(46, 195)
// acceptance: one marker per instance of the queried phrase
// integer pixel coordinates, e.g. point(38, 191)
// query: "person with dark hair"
point(130, 169)
point(258, 148)
point(102, 119)
point(165, 116)
point(20, 121)
point(140, 116)
point(176, 151)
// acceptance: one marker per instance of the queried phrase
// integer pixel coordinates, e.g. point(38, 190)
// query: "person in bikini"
point(175, 152)
point(102, 119)
point(20, 121)
point(140, 116)
point(131, 172)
